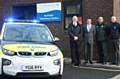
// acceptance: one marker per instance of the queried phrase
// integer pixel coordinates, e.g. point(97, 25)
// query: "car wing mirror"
point(56, 39)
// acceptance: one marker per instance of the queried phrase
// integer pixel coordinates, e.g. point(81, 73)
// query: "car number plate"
point(32, 68)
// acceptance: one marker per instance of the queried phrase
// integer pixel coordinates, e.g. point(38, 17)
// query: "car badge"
point(32, 49)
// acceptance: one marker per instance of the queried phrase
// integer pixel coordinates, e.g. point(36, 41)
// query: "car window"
point(24, 32)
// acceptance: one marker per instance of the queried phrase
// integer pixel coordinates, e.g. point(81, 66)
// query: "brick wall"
point(94, 8)
point(32, 1)
point(5, 10)
point(117, 9)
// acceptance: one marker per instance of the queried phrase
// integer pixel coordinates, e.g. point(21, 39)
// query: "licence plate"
point(32, 68)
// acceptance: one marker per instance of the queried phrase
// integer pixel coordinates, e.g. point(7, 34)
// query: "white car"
point(29, 50)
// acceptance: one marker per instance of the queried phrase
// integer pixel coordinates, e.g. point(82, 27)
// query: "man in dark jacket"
point(115, 36)
point(101, 39)
point(74, 31)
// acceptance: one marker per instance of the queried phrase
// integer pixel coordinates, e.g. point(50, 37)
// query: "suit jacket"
point(89, 36)
point(74, 31)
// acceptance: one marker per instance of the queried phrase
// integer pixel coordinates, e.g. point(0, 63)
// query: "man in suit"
point(74, 32)
point(88, 35)
point(115, 37)
point(101, 39)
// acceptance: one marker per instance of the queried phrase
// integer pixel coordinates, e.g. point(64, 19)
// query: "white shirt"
point(89, 27)
point(75, 23)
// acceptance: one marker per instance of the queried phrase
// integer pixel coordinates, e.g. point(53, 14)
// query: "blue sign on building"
point(47, 12)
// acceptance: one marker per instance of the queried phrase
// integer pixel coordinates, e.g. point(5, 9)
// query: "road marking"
point(101, 69)
point(116, 77)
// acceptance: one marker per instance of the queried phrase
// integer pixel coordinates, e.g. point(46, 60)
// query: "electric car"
point(29, 50)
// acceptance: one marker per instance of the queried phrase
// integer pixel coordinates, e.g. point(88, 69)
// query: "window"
point(71, 9)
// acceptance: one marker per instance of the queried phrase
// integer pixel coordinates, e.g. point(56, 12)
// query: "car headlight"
point(54, 53)
point(8, 52)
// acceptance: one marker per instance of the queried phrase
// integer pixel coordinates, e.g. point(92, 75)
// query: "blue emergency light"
point(35, 21)
point(16, 20)
point(10, 20)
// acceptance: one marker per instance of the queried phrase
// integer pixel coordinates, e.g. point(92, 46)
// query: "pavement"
point(71, 72)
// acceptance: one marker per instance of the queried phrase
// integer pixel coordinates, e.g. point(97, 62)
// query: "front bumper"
point(48, 68)
point(36, 74)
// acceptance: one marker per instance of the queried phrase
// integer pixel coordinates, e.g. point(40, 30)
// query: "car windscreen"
point(27, 33)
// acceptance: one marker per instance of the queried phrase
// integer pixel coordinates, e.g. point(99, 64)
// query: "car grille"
point(30, 53)
point(40, 53)
point(25, 53)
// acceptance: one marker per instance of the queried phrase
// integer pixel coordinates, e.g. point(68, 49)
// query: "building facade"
point(26, 9)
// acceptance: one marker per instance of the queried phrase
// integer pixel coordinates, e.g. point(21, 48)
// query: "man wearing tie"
point(74, 32)
point(88, 35)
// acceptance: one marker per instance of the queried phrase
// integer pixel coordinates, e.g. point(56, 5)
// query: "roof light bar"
point(15, 20)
